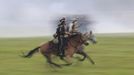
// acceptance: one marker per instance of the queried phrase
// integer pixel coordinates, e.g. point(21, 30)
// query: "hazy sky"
point(33, 17)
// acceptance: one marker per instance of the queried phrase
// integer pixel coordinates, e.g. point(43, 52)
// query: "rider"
point(62, 36)
point(73, 28)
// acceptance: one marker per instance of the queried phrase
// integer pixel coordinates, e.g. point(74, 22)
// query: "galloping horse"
point(74, 44)
point(91, 39)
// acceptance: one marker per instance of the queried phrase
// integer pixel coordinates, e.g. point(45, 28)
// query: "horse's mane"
point(75, 39)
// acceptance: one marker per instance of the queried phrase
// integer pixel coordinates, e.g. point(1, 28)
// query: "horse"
point(74, 43)
point(90, 40)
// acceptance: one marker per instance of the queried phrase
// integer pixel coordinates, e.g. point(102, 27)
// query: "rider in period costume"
point(62, 35)
point(73, 28)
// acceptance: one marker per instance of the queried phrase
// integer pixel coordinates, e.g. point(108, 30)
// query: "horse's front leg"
point(68, 60)
point(68, 56)
point(83, 54)
point(87, 56)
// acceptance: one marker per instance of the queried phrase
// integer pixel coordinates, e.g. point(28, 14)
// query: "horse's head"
point(92, 38)
point(89, 37)
point(80, 38)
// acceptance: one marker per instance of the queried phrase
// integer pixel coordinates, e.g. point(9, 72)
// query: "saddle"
point(53, 45)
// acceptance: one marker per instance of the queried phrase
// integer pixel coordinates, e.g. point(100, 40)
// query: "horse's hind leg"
point(48, 57)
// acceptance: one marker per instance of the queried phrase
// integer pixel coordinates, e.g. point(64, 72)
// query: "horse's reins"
point(80, 41)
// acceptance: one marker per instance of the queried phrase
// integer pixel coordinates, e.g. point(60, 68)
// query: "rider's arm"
point(68, 33)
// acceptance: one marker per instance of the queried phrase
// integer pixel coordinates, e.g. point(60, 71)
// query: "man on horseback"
point(74, 46)
point(62, 35)
point(73, 27)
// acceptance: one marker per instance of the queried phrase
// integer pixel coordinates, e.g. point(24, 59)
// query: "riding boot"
point(62, 52)
point(64, 45)
point(60, 47)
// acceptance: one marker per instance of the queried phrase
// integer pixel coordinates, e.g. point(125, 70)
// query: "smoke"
point(85, 24)
point(38, 17)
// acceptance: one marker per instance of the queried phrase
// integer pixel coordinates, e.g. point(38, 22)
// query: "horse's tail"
point(31, 52)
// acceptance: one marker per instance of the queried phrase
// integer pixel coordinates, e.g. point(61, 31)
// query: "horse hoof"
point(59, 66)
point(93, 63)
point(81, 59)
point(67, 64)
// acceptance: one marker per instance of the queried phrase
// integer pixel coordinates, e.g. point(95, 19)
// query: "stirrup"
point(61, 57)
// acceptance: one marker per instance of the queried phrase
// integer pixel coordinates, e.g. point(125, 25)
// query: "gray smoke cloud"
point(85, 24)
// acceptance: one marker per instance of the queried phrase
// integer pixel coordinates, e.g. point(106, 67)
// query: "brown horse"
point(90, 39)
point(75, 42)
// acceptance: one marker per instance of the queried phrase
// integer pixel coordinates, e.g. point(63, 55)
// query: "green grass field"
point(113, 56)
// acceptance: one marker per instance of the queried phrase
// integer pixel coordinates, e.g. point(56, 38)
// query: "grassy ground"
point(113, 56)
